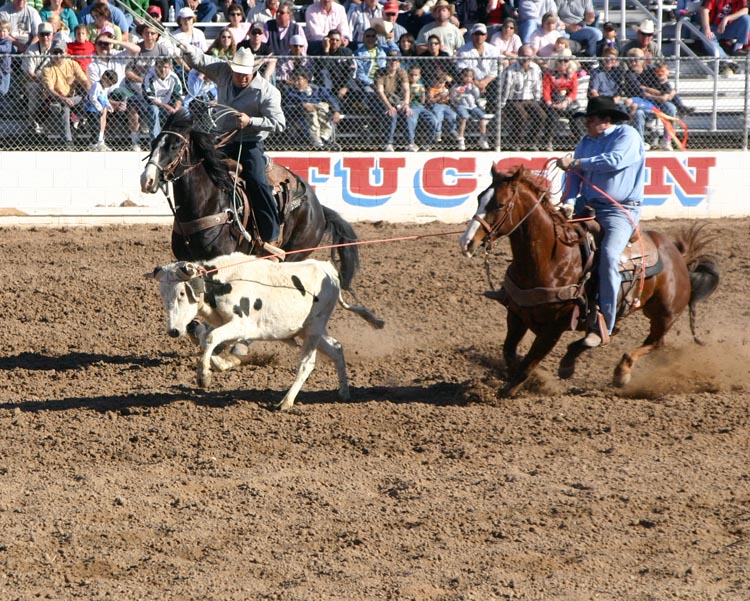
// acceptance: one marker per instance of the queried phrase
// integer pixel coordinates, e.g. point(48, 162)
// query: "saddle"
point(282, 180)
point(640, 252)
point(639, 260)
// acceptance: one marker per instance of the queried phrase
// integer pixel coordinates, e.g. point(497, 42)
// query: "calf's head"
point(181, 289)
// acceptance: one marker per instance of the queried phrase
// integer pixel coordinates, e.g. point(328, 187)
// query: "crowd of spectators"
point(417, 67)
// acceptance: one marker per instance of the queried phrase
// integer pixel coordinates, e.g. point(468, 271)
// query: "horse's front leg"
point(567, 367)
point(540, 348)
point(516, 330)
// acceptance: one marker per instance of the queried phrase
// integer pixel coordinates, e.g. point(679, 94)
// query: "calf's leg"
point(332, 349)
point(229, 331)
point(304, 369)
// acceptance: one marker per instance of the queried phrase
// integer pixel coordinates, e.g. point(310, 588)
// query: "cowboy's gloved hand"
point(567, 210)
point(565, 163)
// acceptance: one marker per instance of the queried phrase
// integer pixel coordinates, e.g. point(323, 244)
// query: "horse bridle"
point(167, 173)
point(491, 230)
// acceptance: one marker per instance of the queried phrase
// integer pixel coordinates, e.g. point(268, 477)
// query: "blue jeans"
point(736, 30)
point(638, 121)
point(588, 37)
point(4, 83)
point(443, 112)
point(617, 231)
point(527, 27)
point(417, 113)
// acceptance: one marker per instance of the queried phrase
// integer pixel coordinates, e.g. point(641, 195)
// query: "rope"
point(252, 258)
point(669, 129)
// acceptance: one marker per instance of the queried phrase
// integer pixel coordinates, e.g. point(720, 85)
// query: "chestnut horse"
point(546, 279)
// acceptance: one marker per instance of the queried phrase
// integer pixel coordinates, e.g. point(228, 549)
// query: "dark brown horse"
point(210, 216)
point(545, 284)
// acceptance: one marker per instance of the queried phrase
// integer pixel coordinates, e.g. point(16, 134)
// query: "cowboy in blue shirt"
point(609, 164)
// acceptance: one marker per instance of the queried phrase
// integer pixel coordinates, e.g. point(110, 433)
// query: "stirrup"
point(598, 334)
point(275, 251)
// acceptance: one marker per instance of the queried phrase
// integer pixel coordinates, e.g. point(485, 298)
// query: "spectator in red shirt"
point(725, 20)
point(82, 46)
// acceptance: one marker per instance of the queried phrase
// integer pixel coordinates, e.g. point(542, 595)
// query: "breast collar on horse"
point(188, 228)
point(531, 296)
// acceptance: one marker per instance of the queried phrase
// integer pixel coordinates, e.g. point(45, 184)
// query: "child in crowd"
point(98, 102)
point(162, 88)
point(314, 103)
point(6, 49)
point(439, 102)
point(419, 110)
point(60, 31)
point(609, 38)
point(82, 46)
point(468, 102)
point(662, 74)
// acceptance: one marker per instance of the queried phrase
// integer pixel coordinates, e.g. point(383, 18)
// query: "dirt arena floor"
point(120, 479)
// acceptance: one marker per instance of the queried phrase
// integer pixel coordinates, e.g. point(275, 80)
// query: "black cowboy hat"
point(604, 106)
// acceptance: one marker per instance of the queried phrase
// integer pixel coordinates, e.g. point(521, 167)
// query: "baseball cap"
point(154, 11)
point(297, 40)
point(391, 6)
point(186, 13)
point(480, 27)
point(44, 28)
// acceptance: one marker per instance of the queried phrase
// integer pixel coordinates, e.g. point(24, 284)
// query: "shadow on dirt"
point(35, 361)
point(439, 394)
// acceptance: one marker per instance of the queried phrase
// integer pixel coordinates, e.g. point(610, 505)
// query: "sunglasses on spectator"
point(45, 33)
point(370, 35)
point(235, 14)
point(434, 43)
point(103, 44)
point(391, 14)
point(257, 32)
point(509, 26)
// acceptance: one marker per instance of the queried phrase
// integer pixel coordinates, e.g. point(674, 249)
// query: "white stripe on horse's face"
point(150, 178)
point(471, 229)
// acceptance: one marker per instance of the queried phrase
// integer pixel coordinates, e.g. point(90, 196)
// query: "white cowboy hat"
point(243, 61)
point(646, 27)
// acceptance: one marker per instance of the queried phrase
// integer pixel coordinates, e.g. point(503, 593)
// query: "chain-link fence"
point(354, 103)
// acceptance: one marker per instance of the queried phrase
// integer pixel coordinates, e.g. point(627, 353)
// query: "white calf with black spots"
point(244, 298)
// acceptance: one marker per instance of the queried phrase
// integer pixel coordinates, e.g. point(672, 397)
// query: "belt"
point(625, 203)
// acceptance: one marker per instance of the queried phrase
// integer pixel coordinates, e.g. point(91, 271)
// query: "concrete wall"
point(63, 188)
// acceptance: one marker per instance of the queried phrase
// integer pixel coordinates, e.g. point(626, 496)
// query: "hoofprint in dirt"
point(119, 478)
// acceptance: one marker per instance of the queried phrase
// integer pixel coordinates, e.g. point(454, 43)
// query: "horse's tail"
point(702, 266)
point(342, 232)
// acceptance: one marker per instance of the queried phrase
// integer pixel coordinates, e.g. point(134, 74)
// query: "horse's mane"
point(204, 148)
point(539, 184)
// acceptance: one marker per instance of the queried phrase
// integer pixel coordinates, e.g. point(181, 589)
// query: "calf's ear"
point(187, 270)
point(153, 275)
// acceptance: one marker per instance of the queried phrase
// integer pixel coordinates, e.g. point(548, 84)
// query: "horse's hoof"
point(508, 391)
point(565, 372)
point(622, 378)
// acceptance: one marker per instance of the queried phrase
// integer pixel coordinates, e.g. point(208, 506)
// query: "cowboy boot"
point(275, 253)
